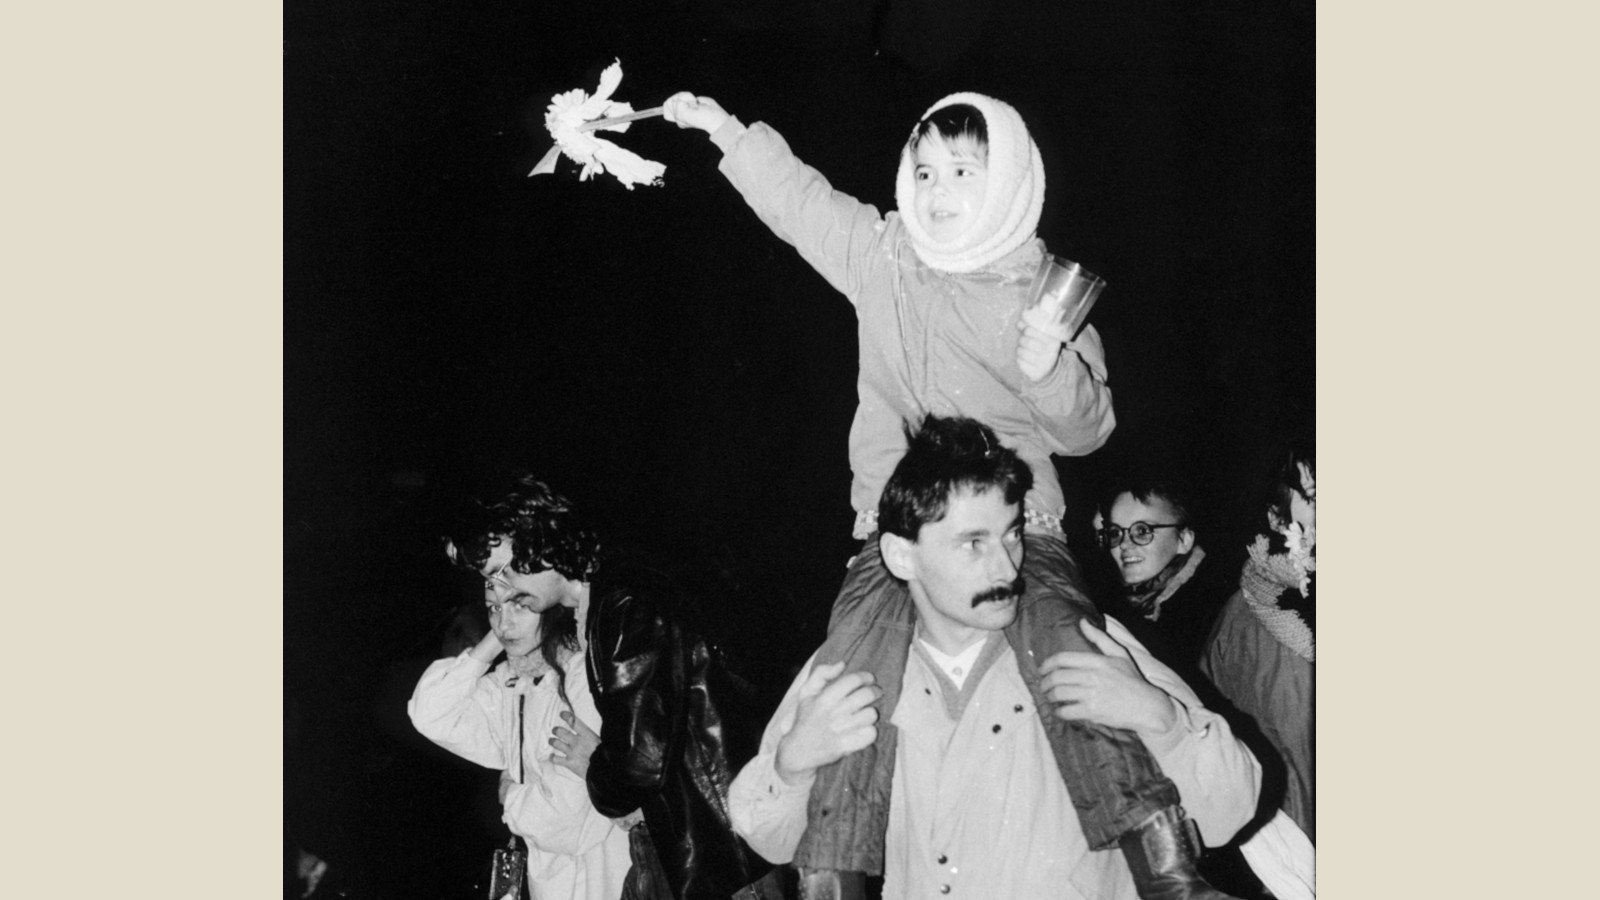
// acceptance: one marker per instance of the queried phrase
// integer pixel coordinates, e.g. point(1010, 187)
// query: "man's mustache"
point(1000, 594)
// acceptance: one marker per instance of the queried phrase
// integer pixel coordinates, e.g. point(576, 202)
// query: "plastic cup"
point(1067, 290)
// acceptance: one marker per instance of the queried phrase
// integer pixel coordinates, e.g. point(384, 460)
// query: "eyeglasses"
point(498, 576)
point(1141, 533)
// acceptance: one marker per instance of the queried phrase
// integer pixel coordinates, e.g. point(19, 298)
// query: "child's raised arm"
point(689, 111)
point(833, 232)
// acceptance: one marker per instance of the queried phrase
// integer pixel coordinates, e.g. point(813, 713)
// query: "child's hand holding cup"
point(1059, 301)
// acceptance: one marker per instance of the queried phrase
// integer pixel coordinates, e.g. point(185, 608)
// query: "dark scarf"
point(1146, 596)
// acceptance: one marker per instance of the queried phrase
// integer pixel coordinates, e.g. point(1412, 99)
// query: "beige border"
point(141, 292)
point(1454, 142)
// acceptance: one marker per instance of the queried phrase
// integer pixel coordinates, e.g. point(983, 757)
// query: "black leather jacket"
point(676, 726)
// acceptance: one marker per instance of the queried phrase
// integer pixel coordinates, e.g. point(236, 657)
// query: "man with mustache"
point(977, 805)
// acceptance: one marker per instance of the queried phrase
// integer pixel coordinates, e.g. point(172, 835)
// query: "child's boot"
point(1162, 853)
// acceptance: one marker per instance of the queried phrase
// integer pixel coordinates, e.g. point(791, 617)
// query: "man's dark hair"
point(943, 456)
point(546, 532)
point(1147, 490)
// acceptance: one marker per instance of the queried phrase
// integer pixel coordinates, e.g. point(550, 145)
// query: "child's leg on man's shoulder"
point(1054, 599)
point(870, 627)
point(869, 630)
point(1114, 782)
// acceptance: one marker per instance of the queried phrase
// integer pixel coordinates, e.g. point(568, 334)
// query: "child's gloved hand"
point(1039, 348)
point(690, 111)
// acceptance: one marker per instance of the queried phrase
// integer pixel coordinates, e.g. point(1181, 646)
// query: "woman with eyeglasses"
point(1166, 589)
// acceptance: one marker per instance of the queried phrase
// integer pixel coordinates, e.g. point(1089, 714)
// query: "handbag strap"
point(521, 736)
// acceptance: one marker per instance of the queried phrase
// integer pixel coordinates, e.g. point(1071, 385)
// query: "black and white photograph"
point(815, 449)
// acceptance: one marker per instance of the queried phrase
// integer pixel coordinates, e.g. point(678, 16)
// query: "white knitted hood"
point(1011, 205)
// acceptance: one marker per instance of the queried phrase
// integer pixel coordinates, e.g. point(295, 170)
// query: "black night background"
point(662, 358)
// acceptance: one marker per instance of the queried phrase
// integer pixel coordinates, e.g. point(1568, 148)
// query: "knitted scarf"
point(1147, 596)
point(1011, 205)
point(1279, 590)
